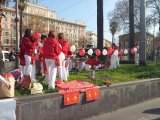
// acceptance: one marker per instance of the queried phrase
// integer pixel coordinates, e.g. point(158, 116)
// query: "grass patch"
point(124, 73)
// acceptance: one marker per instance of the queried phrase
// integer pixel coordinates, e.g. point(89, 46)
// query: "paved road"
point(149, 110)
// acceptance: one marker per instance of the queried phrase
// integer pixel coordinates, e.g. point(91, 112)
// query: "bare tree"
point(121, 15)
point(154, 10)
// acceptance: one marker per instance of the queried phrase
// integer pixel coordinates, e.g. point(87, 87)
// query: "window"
point(6, 26)
point(13, 20)
point(5, 33)
point(14, 41)
point(6, 41)
point(13, 14)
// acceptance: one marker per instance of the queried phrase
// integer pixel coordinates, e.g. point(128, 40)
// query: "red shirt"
point(65, 47)
point(29, 46)
point(22, 51)
point(92, 62)
point(51, 48)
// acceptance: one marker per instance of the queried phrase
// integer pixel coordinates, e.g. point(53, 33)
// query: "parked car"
point(5, 55)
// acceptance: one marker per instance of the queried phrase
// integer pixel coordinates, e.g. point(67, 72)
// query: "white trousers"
point(29, 69)
point(33, 73)
point(62, 73)
point(67, 66)
point(22, 69)
point(51, 72)
point(136, 58)
point(114, 61)
point(28, 66)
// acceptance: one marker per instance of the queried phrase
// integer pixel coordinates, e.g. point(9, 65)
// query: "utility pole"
point(100, 24)
point(17, 40)
point(142, 55)
point(131, 28)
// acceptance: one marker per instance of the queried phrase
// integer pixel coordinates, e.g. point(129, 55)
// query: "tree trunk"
point(21, 22)
point(131, 28)
point(159, 23)
point(113, 39)
point(100, 24)
point(17, 40)
point(142, 55)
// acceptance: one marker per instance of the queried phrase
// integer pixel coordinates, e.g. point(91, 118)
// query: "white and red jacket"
point(65, 47)
point(29, 46)
point(51, 48)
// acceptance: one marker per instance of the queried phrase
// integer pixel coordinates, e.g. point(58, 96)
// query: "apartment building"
point(40, 19)
point(124, 39)
point(92, 39)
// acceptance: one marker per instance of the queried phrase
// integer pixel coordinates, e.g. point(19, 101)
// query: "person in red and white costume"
point(114, 57)
point(36, 37)
point(21, 57)
point(41, 60)
point(51, 51)
point(63, 71)
point(27, 52)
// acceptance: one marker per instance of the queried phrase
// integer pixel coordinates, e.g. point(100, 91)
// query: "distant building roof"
point(137, 33)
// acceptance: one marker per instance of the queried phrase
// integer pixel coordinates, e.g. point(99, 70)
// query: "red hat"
point(36, 35)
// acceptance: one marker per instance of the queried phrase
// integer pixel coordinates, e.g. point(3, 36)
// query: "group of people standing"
point(52, 54)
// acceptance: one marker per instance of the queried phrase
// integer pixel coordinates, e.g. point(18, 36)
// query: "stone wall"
point(50, 106)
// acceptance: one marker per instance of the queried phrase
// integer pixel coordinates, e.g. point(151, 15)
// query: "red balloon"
point(82, 52)
point(132, 51)
point(8, 75)
point(98, 52)
point(109, 51)
point(120, 53)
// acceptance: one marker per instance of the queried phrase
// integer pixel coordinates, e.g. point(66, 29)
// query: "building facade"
point(40, 19)
point(157, 43)
point(92, 39)
point(124, 39)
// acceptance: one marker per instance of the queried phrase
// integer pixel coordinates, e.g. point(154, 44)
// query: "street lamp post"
point(17, 41)
point(100, 24)
point(21, 6)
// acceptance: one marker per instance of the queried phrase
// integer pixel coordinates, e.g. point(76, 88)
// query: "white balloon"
point(40, 44)
point(61, 56)
point(90, 52)
point(135, 49)
point(87, 67)
point(125, 51)
point(115, 52)
point(137, 46)
point(73, 48)
point(104, 52)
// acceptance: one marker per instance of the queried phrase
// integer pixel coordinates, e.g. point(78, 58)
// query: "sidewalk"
point(149, 110)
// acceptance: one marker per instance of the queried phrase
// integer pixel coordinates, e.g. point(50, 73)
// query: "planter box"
point(50, 106)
